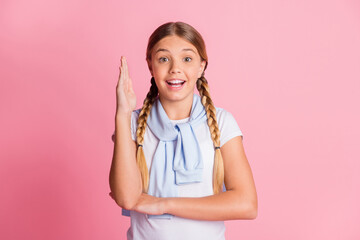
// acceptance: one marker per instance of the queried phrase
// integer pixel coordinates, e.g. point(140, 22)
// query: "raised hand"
point(125, 95)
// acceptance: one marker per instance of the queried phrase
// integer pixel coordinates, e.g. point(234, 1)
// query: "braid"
point(218, 173)
point(140, 132)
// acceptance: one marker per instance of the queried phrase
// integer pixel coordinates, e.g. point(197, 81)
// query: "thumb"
point(130, 86)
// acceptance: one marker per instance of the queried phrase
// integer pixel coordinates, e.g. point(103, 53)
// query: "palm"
point(125, 95)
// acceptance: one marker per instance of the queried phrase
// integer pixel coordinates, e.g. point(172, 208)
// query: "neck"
point(176, 110)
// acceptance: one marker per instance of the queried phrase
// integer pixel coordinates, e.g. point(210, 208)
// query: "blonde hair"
point(190, 34)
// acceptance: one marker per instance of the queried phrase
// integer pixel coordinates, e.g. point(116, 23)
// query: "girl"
point(179, 165)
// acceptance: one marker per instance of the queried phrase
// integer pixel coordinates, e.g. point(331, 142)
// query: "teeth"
point(175, 81)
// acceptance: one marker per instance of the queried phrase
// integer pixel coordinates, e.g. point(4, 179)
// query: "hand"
point(150, 205)
point(125, 95)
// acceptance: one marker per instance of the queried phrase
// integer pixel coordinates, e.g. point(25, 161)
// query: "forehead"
point(174, 44)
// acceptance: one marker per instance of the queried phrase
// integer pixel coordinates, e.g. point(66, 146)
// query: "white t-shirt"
point(143, 228)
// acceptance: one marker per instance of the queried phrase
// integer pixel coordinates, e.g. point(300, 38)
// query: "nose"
point(175, 67)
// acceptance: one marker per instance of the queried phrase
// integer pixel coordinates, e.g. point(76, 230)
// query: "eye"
point(187, 59)
point(163, 59)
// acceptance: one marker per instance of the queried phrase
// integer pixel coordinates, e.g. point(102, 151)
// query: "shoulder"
point(223, 116)
point(228, 125)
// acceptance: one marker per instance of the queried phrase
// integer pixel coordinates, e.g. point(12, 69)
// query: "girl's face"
point(176, 65)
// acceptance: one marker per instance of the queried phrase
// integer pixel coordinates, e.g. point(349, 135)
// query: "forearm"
point(125, 178)
point(228, 205)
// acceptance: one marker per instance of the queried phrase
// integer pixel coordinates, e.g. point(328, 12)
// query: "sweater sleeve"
point(227, 125)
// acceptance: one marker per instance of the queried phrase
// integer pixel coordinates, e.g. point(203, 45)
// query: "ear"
point(202, 66)
point(150, 68)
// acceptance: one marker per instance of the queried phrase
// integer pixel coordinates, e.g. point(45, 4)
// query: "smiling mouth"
point(175, 83)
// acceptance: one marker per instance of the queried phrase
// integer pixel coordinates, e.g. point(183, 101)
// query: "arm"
point(238, 202)
point(125, 178)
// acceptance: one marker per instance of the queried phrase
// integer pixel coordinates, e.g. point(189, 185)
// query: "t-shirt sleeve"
point(228, 126)
point(133, 126)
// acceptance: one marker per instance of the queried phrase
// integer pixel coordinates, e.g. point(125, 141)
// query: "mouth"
point(175, 82)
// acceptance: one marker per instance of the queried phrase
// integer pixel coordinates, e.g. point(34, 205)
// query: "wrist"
point(166, 205)
point(123, 116)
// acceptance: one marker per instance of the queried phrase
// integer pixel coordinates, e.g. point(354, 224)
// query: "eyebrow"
point(165, 50)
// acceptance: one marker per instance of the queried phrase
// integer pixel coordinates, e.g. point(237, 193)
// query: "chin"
point(176, 97)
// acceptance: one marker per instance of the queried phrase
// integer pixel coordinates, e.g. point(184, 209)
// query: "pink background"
point(289, 71)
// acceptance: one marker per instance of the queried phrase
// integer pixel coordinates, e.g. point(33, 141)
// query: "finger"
point(120, 79)
point(121, 63)
point(120, 70)
point(120, 67)
point(121, 73)
point(126, 70)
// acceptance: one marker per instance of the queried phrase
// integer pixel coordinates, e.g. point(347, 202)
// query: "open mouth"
point(175, 83)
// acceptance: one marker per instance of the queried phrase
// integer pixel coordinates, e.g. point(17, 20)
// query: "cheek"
point(159, 69)
point(194, 71)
